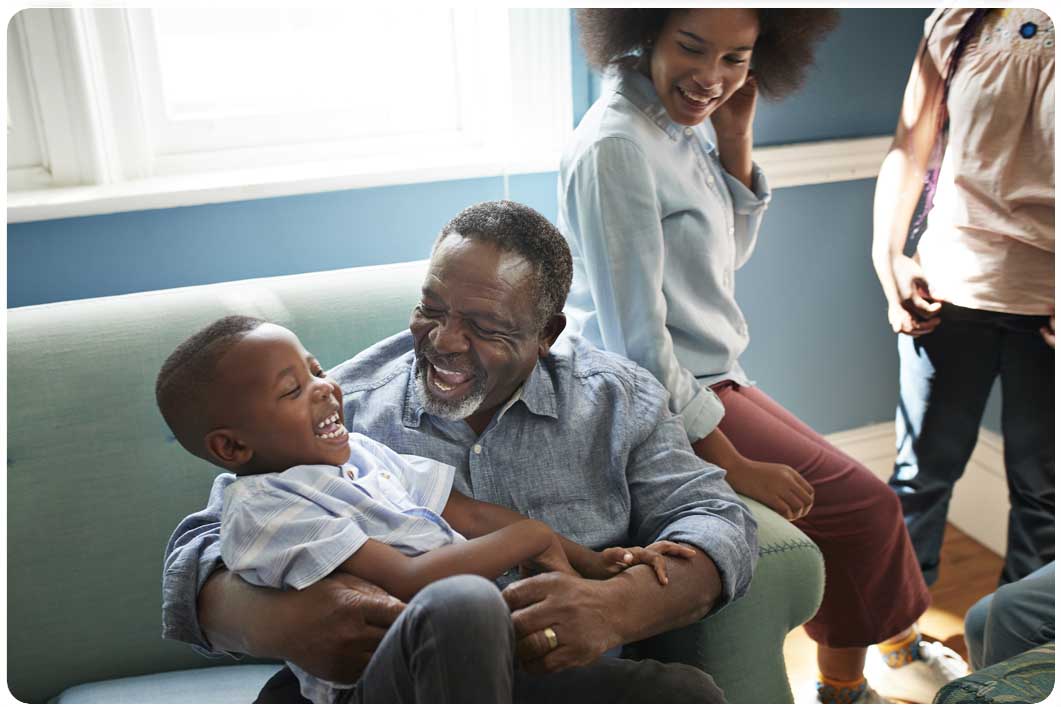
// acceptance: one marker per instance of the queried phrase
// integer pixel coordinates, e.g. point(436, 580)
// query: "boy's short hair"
point(184, 385)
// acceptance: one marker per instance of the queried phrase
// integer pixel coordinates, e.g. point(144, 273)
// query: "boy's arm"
point(474, 519)
point(487, 556)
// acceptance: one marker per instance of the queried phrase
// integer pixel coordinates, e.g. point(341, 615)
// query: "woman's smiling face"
point(700, 58)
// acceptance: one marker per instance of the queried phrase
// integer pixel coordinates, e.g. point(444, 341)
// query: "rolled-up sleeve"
point(618, 227)
point(677, 496)
point(749, 206)
point(193, 553)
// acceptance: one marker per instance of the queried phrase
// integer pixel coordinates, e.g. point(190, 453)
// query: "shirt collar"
point(638, 89)
point(537, 394)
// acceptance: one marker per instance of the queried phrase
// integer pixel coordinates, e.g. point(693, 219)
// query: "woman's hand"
point(733, 119)
point(778, 486)
point(1048, 331)
point(914, 312)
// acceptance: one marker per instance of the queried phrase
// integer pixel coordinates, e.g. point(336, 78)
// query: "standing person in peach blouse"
point(976, 300)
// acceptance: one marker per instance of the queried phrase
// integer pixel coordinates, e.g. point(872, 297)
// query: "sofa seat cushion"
point(230, 684)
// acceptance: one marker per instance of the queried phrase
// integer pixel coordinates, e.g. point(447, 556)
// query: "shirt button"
point(477, 448)
point(688, 131)
point(710, 180)
point(731, 230)
point(350, 474)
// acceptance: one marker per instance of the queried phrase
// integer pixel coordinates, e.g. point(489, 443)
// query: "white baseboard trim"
point(979, 507)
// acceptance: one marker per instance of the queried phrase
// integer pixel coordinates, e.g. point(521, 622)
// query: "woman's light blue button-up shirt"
point(657, 229)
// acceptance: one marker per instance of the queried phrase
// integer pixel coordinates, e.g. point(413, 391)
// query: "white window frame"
point(100, 135)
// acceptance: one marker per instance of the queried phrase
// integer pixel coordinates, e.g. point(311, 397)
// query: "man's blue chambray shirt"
point(589, 447)
point(657, 229)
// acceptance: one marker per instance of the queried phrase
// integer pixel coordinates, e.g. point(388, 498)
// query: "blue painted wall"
point(821, 345)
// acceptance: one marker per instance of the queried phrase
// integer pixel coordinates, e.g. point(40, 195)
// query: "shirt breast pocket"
point(392, 490)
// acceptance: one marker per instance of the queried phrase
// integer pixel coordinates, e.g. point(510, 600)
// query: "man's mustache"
point(458, 363)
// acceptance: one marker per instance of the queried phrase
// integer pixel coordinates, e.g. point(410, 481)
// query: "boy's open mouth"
point(331, 427)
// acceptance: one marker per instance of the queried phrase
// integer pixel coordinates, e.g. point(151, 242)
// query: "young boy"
point(312, 498)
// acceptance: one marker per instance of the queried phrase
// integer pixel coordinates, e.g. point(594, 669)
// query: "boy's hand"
point(617, 559)
point(552, 560)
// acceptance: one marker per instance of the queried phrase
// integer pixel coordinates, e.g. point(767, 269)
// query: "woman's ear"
point(225, 448)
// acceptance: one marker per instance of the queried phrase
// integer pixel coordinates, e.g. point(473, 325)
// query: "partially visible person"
point(1017, 617)
point(969, 305)
point(310, 498)
point(661, 203)
point(575, 437)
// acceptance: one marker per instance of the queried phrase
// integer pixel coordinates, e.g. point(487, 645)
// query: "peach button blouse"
point(989, 243)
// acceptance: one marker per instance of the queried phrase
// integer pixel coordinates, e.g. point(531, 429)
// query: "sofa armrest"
point(1026, 678)
point(742, 645)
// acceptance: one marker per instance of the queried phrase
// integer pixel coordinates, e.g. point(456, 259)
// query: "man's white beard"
point(447, 410)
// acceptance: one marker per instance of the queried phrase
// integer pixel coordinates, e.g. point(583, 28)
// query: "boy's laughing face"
point(276, 406)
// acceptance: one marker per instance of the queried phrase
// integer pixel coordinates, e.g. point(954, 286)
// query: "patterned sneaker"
point(869, 696)
point(920, 680)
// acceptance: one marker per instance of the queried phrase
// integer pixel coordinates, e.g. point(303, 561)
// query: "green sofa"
point(96, 483)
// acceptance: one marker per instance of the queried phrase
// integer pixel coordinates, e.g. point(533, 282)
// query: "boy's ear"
point(550, 332)
point(225, 449)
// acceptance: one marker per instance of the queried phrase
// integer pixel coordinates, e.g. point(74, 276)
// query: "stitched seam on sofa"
point(788, 545)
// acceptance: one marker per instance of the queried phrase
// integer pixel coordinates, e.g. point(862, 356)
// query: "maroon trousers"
point(873, 583)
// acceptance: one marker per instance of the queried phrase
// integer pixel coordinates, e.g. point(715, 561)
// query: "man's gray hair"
point(519, 229)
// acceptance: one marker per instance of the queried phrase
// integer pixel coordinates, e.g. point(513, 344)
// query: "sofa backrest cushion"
point(96, 482)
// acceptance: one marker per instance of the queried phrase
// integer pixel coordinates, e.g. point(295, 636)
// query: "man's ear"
point(550, 332)
point(225, 448)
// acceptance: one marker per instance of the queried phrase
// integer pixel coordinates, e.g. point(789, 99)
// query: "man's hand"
point(335, 625)
point(577, 610)
point(915, 312)
point(778, 486)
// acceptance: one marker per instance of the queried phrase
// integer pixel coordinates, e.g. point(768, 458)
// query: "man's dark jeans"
point(455, 643)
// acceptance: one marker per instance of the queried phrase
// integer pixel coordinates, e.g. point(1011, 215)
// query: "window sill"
point(166, 192)
point(785, 166)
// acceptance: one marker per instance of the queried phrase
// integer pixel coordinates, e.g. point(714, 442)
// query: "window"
point(317, 97)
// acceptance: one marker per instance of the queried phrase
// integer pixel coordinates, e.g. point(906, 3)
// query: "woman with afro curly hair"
point(661, 203)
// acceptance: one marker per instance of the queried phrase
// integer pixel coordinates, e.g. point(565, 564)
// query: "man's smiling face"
point(475, 330)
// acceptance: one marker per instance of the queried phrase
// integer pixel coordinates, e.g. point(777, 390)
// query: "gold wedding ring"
point(550, 636)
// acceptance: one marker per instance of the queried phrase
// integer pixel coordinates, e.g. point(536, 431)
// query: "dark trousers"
point(455, 643)
point(944, 382)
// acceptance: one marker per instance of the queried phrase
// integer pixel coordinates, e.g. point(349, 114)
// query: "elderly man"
point(548, 426)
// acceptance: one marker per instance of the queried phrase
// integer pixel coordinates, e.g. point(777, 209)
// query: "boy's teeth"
point(328, 421)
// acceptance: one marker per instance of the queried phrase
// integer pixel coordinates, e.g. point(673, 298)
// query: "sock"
point(901, 652)
point(840, 692)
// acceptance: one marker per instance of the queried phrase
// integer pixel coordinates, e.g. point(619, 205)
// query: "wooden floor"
point(968, 571)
